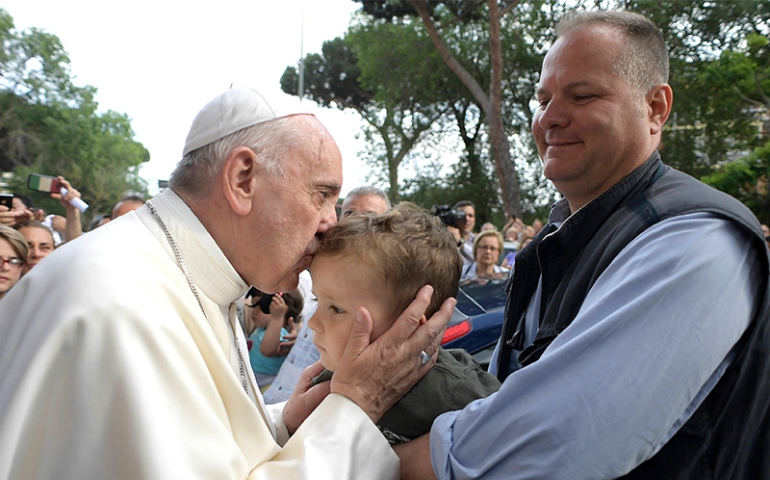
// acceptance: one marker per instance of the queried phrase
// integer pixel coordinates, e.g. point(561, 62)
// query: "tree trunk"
point(500, 146)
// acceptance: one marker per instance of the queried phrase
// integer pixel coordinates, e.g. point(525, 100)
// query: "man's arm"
point(651, 339)
point(415, 459)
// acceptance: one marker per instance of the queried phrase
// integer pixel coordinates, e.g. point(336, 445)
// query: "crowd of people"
point(42, 232)
point(635, 342)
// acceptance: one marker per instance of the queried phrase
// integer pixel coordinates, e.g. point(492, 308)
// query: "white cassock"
point(110, 370)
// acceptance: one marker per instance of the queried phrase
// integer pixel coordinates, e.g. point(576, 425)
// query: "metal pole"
point(301, 92)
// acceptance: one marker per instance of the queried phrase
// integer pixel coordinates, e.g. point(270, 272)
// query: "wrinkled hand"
point(304, 399)
point(375, 376)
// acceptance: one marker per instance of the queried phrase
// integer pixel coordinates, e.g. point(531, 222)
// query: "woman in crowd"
point(486, 252)
point(40, 241)
point(13, 254)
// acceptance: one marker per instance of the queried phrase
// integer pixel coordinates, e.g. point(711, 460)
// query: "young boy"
point(380, 262)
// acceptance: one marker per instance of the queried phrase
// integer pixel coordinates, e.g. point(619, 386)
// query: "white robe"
point(109, 369)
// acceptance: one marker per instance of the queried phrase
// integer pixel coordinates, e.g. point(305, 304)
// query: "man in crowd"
point(463, 233)
point(636, 340)
point(127, 203)
point(121, 356)
point(304, 353)
point(363, 200)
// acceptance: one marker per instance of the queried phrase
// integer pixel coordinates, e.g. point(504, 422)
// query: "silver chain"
point(183, 266)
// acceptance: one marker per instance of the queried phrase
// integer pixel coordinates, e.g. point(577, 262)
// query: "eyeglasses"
point(491, 248)
point(14, 262)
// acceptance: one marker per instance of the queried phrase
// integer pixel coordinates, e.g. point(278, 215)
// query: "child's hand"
point(278, 308)
point(288, 341)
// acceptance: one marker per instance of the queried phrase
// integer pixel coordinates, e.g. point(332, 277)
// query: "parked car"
point(478, 318)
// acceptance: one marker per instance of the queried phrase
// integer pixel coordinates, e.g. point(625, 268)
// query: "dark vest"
point(729, 435)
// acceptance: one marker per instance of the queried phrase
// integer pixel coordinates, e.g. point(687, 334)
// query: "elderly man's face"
point(592, 127)
point(296, 208)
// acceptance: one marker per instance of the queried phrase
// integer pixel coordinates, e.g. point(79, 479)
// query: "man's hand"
point(304, 399)
point(455, 233)
point(375, 376)
point(415, 459)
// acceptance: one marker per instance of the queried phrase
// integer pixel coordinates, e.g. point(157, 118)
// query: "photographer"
point(460, 220)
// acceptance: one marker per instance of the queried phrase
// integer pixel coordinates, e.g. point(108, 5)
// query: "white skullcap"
point(236, 109)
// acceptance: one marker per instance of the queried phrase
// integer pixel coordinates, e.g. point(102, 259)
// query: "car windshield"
point(477, 295)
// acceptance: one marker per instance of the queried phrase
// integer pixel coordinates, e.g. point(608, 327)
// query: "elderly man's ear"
point(240, 177)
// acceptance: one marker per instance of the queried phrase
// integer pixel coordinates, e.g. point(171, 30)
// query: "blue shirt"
point(260, 363)
point(652, 338)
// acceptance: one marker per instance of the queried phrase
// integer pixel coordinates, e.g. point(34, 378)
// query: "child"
point(380, 262)
point(273, 317)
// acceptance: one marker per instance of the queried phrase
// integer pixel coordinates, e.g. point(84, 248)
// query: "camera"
point(264, 302)
point(450, 217)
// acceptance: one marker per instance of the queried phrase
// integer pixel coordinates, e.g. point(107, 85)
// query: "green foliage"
point(49, 125)
point(748, 180)
point(385, 72)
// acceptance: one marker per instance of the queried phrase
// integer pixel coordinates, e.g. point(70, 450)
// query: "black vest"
point(729, 434)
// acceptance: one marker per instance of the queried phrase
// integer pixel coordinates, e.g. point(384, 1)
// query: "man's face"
point(294, 208)
point(361, 204)
point(470, 219)
point(342, 285)
point(592, 127)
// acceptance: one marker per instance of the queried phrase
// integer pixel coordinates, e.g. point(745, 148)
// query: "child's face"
point(342, 285)
point(259, 318)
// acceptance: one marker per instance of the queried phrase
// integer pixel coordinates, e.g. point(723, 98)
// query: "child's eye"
point(337, 310)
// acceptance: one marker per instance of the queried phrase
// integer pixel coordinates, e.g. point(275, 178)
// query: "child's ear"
point(423, 319)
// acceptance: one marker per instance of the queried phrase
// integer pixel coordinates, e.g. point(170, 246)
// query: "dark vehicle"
point(478, 318)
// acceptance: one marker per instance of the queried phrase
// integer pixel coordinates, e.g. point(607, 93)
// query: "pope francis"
point(120, 354)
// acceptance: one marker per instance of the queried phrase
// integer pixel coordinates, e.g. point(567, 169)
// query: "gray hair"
point(366, 191)
point(644, 60)
point(197, 171)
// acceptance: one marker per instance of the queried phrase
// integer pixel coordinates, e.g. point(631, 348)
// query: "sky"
point(160, 62)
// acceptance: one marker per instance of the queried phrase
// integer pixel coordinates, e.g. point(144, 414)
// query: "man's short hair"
point(406, 248)
point(366, 191)
point(644, 60)
point(464, 203)
point(16, 239)
point(195, 174)
point(131, 197)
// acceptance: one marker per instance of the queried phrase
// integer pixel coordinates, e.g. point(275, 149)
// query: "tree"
point(381, 71)
point(489, 102)
point(49, 125)
point(497, 56)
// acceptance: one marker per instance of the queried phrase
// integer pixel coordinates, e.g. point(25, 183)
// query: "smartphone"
point(43, 183)
point(6, 200)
